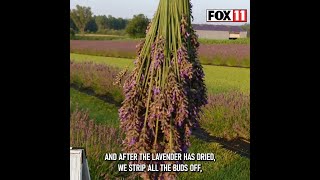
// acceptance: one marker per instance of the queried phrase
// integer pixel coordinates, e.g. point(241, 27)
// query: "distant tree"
point(121, 23)
point(246, 27)
point(101, 22)
point(91, 26)
point(81, 17)
point(137, 26)
point(72, 25)
point(111, 21)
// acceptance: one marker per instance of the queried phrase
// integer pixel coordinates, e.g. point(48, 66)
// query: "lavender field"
point(237, 55)
point(95, 125)
point(231, 117)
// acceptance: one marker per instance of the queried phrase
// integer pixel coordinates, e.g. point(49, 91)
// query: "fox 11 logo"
point(226, 15)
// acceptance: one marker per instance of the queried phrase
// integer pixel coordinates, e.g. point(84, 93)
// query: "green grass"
point(100, 111)
point(228, 165)
point(226, 41)
point(218, 78)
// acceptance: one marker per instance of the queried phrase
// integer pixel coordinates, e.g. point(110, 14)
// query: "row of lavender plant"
point(97, 139)
point(227, 115)
point(96, 77)
point(237, 55)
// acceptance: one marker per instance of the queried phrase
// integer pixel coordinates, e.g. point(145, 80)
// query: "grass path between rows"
point(218, 78)
point(228, 165)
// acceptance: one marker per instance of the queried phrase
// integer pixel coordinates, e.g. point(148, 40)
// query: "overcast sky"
point(128, 8)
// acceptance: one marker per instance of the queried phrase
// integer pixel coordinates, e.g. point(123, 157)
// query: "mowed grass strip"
point(102, 112)
point(218, 78)
point(228, 165)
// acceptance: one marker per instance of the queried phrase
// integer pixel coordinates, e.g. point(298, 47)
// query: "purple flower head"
point(123, 114)
point(153, 47)
point(184, 149)
point(189, 132)
point(196, 124)
point(171, 109)
point(128, 87)
point(179, 123)
point(195, 112)
point(180, 55)
point(183, 73)
point(156, 91)
point(153, 116)
point(159, 57)
point(174, 97)
point(132, 142)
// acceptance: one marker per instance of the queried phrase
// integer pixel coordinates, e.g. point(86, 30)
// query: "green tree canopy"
point(101, 22)
point(91, 26)
point(246, 27)
point(81, 17)
point(137, 26)
point(72, 25)
point(110, 22)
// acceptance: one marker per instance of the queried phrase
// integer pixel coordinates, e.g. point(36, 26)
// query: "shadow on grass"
point(238, 145)
point(106, 98)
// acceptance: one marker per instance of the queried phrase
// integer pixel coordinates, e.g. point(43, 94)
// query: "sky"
point(128, 8)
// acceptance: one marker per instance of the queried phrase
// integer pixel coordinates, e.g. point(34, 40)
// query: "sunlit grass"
point(217, 78)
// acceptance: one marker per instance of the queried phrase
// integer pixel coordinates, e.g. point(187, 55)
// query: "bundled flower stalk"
point(166, 89)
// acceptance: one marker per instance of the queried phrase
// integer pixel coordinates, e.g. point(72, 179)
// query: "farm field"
point(119, 37)
point(218, 78)
point(226, 116)
point(228, 165)
point(223, 54)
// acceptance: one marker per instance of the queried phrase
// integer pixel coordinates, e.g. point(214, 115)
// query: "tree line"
point(83, 21)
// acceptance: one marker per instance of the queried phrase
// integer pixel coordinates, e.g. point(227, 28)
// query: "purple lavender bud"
point(184, 149)
point(194, 112)
point(171, 109)
point(174, 97)
point(180, 54)
point(189, 132)
point(156, 91)
point(179, 59)
point(156, 64)
point(161, 56)
point(133, 140)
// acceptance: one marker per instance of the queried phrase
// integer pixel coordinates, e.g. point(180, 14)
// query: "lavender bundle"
point(166, 89)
